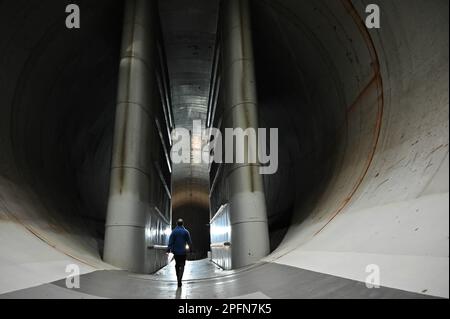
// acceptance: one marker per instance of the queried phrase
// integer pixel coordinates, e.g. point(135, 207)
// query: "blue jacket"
point(178, 239)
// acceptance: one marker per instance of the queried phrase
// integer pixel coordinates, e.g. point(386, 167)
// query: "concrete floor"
point(204, 280)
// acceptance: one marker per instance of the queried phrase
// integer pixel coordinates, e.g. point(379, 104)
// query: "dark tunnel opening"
point(59, 109)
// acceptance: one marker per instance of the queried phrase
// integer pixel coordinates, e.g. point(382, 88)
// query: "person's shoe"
point(180, 284)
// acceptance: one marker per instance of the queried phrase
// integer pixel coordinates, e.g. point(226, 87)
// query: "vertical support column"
point(129, 209)
point(248, 216)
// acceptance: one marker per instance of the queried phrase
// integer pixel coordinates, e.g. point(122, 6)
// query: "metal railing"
point(157, 247)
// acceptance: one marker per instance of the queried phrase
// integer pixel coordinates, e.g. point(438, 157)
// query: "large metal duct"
point(139, 208)
point(242, 181)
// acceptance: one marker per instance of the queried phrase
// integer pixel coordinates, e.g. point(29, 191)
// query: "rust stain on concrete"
point(378, 82)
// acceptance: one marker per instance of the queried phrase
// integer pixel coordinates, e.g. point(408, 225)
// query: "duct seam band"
point(132, 56)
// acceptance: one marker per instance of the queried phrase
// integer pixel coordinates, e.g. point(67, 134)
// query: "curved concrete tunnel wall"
point(381, 198)
point(57, 90)
point(382, 97)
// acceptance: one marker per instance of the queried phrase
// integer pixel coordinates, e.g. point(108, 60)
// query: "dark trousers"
point(180, 262)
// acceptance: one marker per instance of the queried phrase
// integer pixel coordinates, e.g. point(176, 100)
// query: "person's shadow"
point(179, 293)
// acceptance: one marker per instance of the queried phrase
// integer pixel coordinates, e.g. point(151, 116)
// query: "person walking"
point(179, 243)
